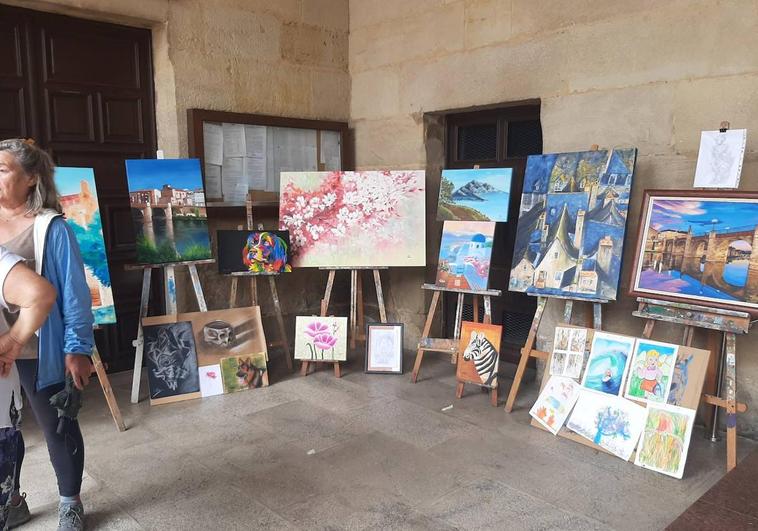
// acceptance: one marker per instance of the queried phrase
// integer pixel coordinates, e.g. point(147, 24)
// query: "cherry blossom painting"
point(359, 219)
point(321, 338)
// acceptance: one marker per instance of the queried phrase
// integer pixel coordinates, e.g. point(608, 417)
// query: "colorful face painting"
point(321, 338)
point(171, 362)
point(475, 195)
point(555, 403)
point(478, 357)
point(608, 363)
point(341, 219)
point(650, 371)
point(78, 197)
point(244, 372)
point(666, 439)
point(609, 421)
point(571, 224)
point(253, 251)
point(465, 253)
point(568, 352)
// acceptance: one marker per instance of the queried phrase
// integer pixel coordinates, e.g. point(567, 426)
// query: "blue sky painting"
point(154, 173)
point(475, 195)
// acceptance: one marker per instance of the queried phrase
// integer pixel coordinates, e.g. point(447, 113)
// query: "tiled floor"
point(361, 452)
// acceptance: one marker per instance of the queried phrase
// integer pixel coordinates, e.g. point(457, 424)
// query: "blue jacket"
point(69, 327)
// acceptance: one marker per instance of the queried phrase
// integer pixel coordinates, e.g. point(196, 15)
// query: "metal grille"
point(468, 312)
point(477, 142)
point(524, 138)
point(516, 327)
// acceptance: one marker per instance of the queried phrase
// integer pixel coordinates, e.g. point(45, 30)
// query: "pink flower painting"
point(321, 338)
point(369, 218)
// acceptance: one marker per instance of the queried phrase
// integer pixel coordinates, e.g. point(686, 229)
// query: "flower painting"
point(263, 252)
point(475, 195)
point(666, 439)
point(555, 403)
point(465, 253)
point(651, 371)
point(608, 362)
point(321, 338)
point(361, 219)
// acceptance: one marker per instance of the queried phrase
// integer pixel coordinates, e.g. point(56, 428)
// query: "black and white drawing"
point(719, 161)
point(171, 360)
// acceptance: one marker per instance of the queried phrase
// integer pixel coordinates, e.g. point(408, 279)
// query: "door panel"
point(15, 78)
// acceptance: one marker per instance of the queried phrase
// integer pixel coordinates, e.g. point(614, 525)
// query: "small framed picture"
point(384, 348)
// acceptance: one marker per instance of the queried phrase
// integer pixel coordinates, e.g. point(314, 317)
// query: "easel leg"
point(597, 316)
point(337, 370)
point(280, 322)
point(139, 343)
point(647, 332)
point(105, 383)
point(360, 326)
point(459, 390)
point(380, 296)
point(424, 335)
point(327, 294)
point(198, 288)
point(493, 397)
point(304, 368)
point(253, 291)
point(476, 308)
point(525, 354)
point(457, 329)
point(730, 373)
point(233, 294)
point(169, 286)
point(353, 303)
point(487, 310)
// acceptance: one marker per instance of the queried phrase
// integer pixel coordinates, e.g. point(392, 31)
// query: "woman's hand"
point(10, 349)
point(80, 368)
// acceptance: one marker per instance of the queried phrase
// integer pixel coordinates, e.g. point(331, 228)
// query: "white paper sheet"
point(234, 140)
point(213, 181)
point(256, 156)
point(289, 150)
point(385, 348)
point(719, 161)
point(213, 142)
point(233, 181)
point(330, 151)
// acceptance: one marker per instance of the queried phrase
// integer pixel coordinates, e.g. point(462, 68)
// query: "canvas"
point(719, 161)
point(475, 195)
point(168, 210)
point(650, 371)
point(220, 334)
point(478, 354)
point(571, 225)
point(320, 338)
point(569, 345)
point(697, 248)
point(384, 348)
point(608, 362)
point(665, 439)
point(258, 251)
point(609, 421)
point(359, 219)
point(465, 252)
point(78, 197)
point(555, 403)
point(171, 362)
point(211, 383)
point(244, 372)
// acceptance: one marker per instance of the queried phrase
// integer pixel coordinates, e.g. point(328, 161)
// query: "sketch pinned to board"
point(665, 439)
point(568, 352)
point(608, 362)
point(171, 362)
point(210, 381)
point(651, 371)
point(555, 403)
point(719, 161)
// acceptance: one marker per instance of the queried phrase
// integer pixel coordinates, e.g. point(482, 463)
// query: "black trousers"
point(67, 449)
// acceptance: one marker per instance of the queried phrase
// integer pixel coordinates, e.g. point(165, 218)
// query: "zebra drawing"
point(484, 355)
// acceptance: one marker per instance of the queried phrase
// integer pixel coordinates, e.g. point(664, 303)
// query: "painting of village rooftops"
point(571, 225)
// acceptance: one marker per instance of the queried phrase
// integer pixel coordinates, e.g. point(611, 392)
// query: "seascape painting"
point(665, 439)
point(571, 225)
point(78, 197)
point(465, 252)
point(475, 195)
point(320, 338)
point(360, 219)
point(263, 252)
point(168, 210)
point(555, 403)
point(171, 361)
point(608, 362)
point(478, 354)
point(651, 370)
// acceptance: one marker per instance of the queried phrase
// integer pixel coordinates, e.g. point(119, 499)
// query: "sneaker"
point(71, 517)
point(19, 514)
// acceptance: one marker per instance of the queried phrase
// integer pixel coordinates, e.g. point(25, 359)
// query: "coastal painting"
point(168, 210)
point(465, 252)
point(475, 195)
point(698, 247)
point(78, 197)
point(572, 220)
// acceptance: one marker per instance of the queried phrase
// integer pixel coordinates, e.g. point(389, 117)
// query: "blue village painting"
point(475, 195)
point(571, 225)
point(700, 249)
point(168, 209)
point(465, 253)
point(78, 197)
point(608, 362)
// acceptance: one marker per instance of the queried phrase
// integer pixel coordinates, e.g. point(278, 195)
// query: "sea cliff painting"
point(465, 252)
point(475, 195)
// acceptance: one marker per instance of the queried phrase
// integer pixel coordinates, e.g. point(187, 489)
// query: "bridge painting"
point(701, 250)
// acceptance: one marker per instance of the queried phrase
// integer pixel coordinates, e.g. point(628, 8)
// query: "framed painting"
point(171, 360)
point(475, 195)
point(168, 210)
point(608, 362)
point(665, 439)
point(320, 338)
point(256, 251)
point(384, 348)
point(572, 220)
point(360, 219)
point(478, 354)
point(465, 252)
point(697, 247)
point(244, 372)
point(78, 197)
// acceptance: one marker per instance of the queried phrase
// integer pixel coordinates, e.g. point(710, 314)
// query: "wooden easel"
point(450, 346)
point(169, 285)
point(105, 383)
point(530, 352)
point(283, 342)
point(730, 323)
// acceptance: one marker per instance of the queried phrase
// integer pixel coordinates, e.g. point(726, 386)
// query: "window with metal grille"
point(477, 142)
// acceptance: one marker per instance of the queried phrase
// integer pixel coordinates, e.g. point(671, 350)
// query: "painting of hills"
point(475, 195)
point(571, 225)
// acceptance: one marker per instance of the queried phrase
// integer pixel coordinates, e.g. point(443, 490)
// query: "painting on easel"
point(465, 252)
point(171, 362)
point(253, 251)
point(478, 354)
point(475, 195)
point(320, 338)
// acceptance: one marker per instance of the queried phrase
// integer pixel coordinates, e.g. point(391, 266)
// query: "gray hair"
point(35, 161)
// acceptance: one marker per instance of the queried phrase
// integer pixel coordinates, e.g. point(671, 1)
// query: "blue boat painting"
point(608, 363)
point(475, 195)
point(78, 197)
point(465, 253)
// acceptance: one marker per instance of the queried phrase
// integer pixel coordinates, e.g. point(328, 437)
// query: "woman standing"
point(31, 226)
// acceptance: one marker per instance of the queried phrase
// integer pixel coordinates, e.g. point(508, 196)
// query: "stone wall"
point(646, 74)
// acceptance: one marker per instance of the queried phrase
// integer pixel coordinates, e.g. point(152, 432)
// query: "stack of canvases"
point(632, 393)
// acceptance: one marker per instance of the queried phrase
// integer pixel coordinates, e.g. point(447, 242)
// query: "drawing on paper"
point(244, 372)
point(568, 352)
point(571, 224)
point(666, 439)
point(171, 361)
point(608, 362)
point(321, 338)
point(478, 357)
point(210, 381)
point(78, 197)
point(368, 218)
point(253, 251)
point(475, 195)
point(555, 403)
point(719, 161)
point(651, 370)
point(465, 252)
point(384, 348)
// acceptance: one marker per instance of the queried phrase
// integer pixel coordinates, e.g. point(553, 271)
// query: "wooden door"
point(84, 91)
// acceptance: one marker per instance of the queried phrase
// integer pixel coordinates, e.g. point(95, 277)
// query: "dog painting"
point(263, 252)
point(244, 372)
